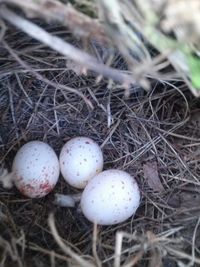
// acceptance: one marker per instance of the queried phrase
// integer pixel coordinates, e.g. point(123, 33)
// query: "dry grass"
point(44, 96)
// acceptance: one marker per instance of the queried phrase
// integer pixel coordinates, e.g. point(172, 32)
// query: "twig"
point(12, 109)
point(2, 29)
point(80, 24)
point(41, 78)
point(182, 255)
point(111, 133)
point(64, 48)
point(94, 245)
point(193, 243)
point(67, 250)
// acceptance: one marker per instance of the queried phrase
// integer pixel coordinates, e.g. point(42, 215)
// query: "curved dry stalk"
point(64, 48)
point(2, 30)
point(80, 24)
point(67, 250)
point(47, 81)
point(94, 245)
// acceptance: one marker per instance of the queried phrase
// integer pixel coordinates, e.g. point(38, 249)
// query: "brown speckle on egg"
point(34, 169)
point(109, 190)
point(80, 160)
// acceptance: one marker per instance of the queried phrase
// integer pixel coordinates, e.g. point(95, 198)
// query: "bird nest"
point(152, 134)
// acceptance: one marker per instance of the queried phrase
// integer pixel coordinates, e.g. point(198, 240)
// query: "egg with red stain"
point(111, 197)
point(36, 169)
point(80, 160)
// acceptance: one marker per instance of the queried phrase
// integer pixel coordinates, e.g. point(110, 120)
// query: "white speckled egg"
point(80, 160)
point(36, 169)
point(110, 197)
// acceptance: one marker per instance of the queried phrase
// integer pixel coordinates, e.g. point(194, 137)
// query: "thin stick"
point(182, 255)
point(55, 113)
point(64, 48)
point(193, 243)
point(12, 110)
point(67, 250)
point(41, 78)
point(118, 248)
point(110, 133)
point(78, 23)
point(3, 29)
point(94, 245)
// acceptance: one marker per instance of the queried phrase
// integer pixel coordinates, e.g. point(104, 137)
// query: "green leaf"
point(194, 65)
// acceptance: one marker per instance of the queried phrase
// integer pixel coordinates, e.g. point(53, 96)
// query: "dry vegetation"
point(93, 88)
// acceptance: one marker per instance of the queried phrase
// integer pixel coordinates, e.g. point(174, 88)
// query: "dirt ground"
point(153, 135)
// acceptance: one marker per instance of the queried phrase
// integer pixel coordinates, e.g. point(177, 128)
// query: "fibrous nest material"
point(101, 92)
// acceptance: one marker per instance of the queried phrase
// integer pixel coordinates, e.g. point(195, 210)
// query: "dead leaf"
point(185, 199)
point(150, 170)
point(195, 118)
